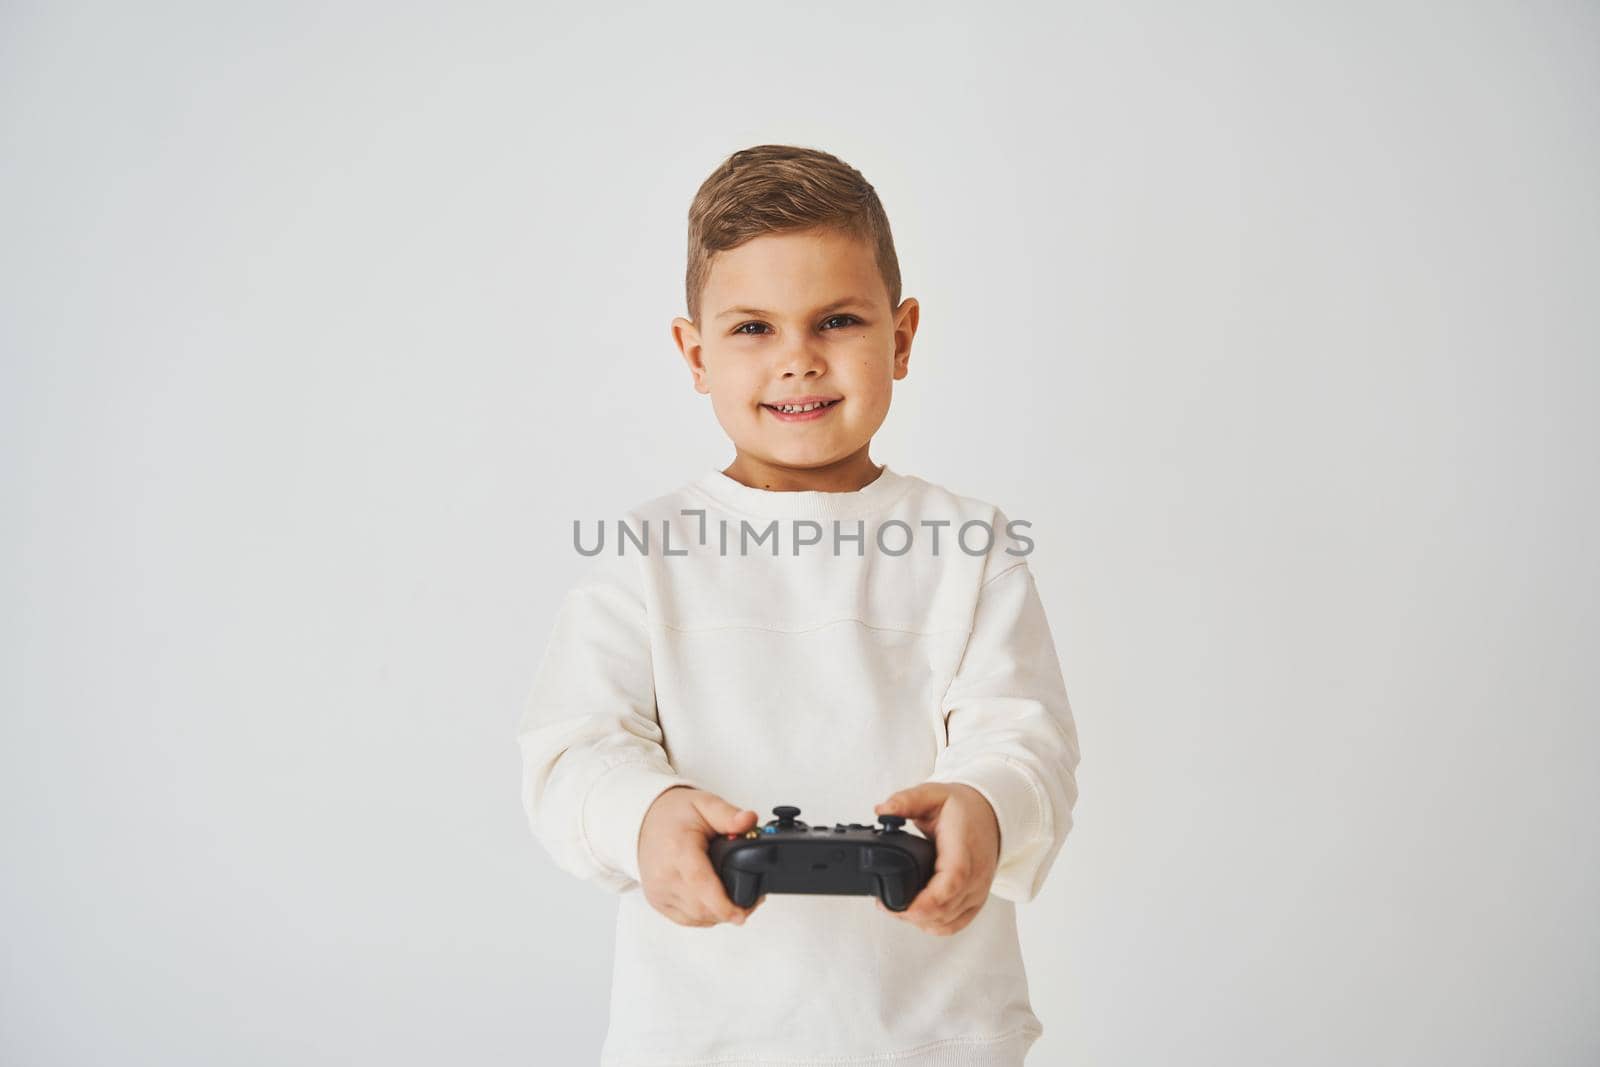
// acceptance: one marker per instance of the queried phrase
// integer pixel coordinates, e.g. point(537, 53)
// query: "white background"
point(320, 326)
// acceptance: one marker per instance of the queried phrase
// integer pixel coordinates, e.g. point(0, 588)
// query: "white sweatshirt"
point(827, 680)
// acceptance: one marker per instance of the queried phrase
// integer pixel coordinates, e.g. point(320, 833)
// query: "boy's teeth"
point(795, 409)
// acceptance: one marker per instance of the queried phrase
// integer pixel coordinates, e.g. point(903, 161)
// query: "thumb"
point(924, 799)
point(723, 817)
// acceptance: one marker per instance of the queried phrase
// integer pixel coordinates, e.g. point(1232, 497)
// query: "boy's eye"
point(741, 329)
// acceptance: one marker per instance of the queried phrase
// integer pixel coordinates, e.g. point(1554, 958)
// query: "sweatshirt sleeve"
point(1010, 730)
point(592, 755)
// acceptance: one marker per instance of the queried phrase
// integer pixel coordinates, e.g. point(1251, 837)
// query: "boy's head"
point(793, 291)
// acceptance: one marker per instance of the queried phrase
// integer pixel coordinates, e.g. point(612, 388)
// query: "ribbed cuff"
point(614, 811)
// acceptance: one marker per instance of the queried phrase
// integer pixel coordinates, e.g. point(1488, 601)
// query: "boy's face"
point(796, 315)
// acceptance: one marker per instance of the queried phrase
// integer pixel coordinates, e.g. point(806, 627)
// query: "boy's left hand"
point(966, 838)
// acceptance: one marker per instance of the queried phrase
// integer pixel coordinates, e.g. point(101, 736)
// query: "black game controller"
point(787, 856)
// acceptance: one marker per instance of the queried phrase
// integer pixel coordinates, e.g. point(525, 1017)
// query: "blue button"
point(769, 829)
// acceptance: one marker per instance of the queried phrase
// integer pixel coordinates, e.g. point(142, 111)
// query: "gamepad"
point(788, 856)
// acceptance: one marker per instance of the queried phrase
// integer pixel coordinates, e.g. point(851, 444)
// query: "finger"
point(954, 865)
point(908, 914)
point(943, 912)
point(681, 917)
point(694, 837)
point(939, 926)
point(722, 816)
point(924, 799)
point(942, 898)
point(957, 924)
point(702, 884)
point(937, 900)
point(695, 910)
point(698, 887)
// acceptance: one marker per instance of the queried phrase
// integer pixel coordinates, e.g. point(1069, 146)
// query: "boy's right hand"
point(674, 861)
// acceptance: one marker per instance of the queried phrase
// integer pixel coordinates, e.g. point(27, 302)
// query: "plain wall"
point(321, 323)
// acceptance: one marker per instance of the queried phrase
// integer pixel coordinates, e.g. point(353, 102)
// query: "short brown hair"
point(778, 188)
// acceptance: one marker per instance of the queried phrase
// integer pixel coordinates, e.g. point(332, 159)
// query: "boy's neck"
point(845, 476)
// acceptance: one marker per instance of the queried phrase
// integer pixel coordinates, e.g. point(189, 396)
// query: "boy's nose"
point(803, 360)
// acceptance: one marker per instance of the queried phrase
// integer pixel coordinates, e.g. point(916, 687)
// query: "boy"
point(881, 646)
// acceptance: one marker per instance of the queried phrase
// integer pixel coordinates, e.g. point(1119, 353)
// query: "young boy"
point(804, 627)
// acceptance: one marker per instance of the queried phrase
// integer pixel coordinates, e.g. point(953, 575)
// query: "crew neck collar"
point(804, 503)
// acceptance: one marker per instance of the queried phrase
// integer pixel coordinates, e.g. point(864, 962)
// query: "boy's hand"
point(966, 838)
point(674, 864)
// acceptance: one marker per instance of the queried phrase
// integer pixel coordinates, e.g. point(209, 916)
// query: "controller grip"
point(744, 887)
point(894, 874)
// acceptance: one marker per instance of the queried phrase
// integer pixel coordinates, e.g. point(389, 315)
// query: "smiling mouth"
point(794, 414)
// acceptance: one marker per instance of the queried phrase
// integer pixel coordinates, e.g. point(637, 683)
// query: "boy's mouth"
point(803, 412)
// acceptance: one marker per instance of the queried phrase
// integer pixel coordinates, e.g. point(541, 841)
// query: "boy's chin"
point(805, 461)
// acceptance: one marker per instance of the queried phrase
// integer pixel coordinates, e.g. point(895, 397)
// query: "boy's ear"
point(687, 338)
point(905, 328)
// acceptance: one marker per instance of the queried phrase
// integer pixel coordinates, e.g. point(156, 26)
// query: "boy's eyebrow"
point(849, 301)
